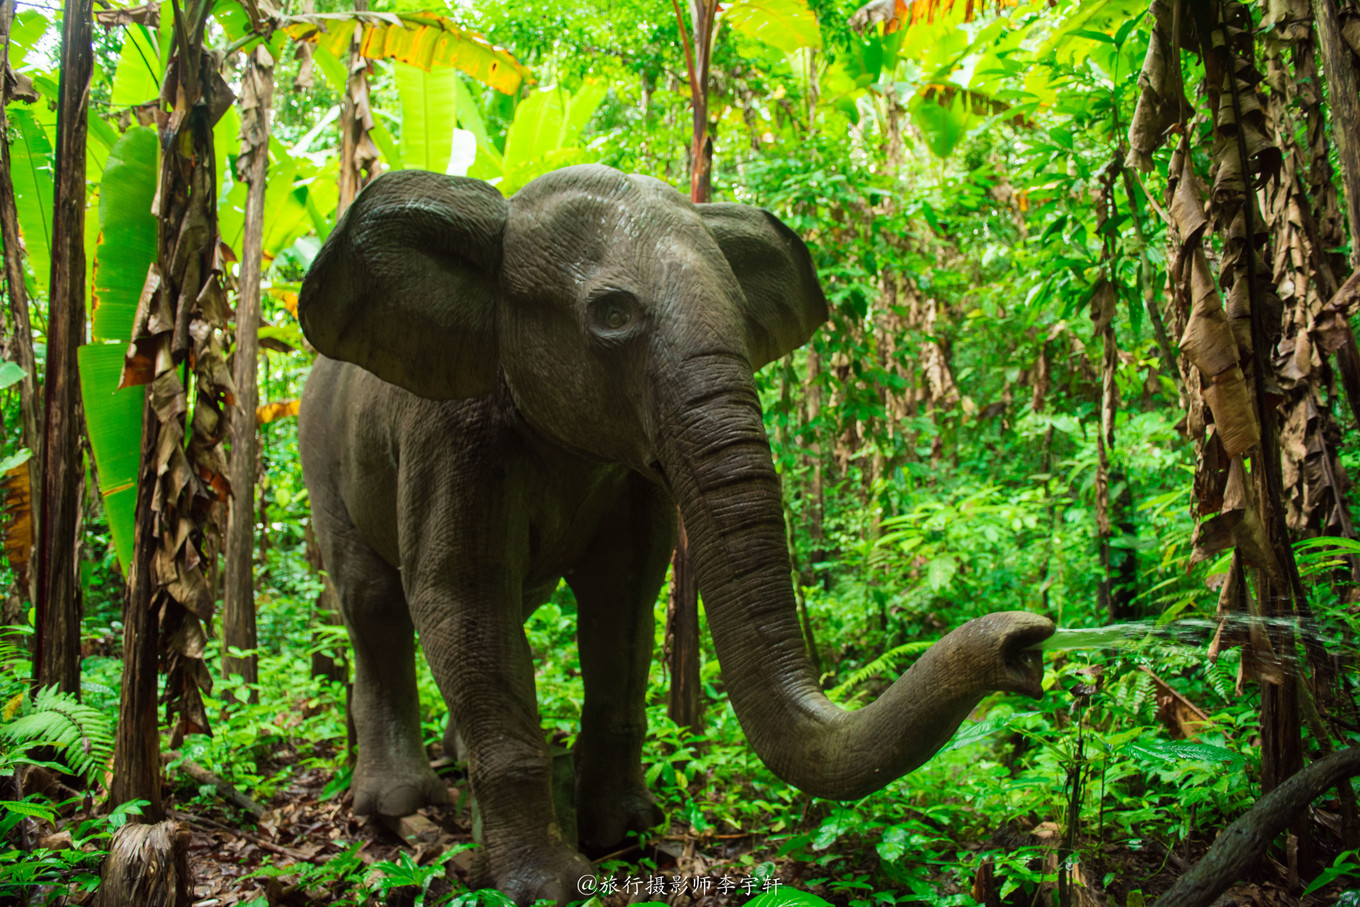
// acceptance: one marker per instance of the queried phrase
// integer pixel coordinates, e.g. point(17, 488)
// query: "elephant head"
point(626, 323)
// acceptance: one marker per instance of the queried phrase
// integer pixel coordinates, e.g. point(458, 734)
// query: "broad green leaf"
point(231, 217)
point(787, 897)
point(332, 67)
point(100, 139)
point(420, 39)
point(323, 195)
point(28, 28)
point(127, 229)
point(138, 76)
point(10, 373)
point(30, 808)
point(91, 240)
point(428, 115)
point(391, 152)
point(1177, 751)
point(544, 133)
point(18, 458)
point(469, 116)
point(785, 25)
point(114, 421)
point(942, 126)
point(987, 728)
point(226, 141)
point(31, 170)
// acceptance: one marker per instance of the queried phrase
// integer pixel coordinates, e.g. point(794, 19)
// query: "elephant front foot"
point(605, 819)
point(392, 791)
point(551, 871)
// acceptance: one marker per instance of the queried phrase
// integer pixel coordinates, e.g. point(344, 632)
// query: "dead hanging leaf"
point(892, 13)
point(1239, 524)
point(18, 87)
point(1331, 325)
point(304, 80)
point(1160, 98)
point(1235, 420)
point(117, 17)
point(1231, 603)
point(1208, 340)
point(1211, 477)
point(281, 410)
point(18, 520)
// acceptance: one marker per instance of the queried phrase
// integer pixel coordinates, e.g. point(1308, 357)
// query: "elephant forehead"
point(572, 236)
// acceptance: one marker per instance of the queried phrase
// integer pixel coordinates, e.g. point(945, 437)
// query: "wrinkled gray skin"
point(528, 389)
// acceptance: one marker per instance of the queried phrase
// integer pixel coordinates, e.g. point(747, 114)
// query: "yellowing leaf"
point(421, 39)
point(786, 25)
point(271, 411)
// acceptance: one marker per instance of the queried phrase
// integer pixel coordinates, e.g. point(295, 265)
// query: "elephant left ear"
point(784, 301)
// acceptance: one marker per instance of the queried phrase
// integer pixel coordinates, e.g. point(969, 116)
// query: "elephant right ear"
point(406, 284)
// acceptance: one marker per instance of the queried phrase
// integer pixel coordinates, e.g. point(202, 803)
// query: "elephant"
point(512, 392)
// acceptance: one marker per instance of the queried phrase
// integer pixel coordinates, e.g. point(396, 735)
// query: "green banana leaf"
point(31, 171)
point(124, 254)
point(127, 228)
point(428, 115)
point(137, 78)
point(114, 420)
point(543, 136)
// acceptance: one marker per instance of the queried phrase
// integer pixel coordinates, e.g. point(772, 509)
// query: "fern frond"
point(880, 665)
point(58, 719)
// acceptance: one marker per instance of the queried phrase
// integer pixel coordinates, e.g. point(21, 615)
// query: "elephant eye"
point(613, 314)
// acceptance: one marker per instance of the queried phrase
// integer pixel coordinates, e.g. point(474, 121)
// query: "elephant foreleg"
point(616, 585)
point(477, 649)
point(392, 775)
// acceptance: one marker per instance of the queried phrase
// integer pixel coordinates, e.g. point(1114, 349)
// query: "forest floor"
point(301, 837)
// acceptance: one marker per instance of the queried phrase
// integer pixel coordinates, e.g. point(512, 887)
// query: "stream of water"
point(1190, 633)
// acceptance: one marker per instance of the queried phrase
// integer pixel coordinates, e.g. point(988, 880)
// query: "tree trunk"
point(1341, 93)
point(22, 344)
point(147, 865)
point(682, 617)
point(179, 484)
point(57, 603)
point(238, 600)
point(137, 744)
point(358, 154)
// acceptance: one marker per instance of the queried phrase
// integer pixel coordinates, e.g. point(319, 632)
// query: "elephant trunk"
point(718, 462)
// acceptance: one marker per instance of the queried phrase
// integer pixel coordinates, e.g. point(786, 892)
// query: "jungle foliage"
point(1091, 268)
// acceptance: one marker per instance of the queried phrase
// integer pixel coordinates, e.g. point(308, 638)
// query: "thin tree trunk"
point(57, 604)
point(816, 492)
point(358, 154)
point(22, 344)
point(1345, 106)
point(179, 483)
point(238, 600)
point(136, 764)
point(682, 618)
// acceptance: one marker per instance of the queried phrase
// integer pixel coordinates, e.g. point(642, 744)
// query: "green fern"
point(880, 665)
point(1134, 694)
point(58, 719)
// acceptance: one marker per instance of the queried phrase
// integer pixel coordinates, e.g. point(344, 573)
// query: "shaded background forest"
point(1091, 269)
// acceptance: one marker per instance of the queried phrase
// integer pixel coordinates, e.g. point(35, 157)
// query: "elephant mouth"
point(653, 471)
point(1024, 661)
